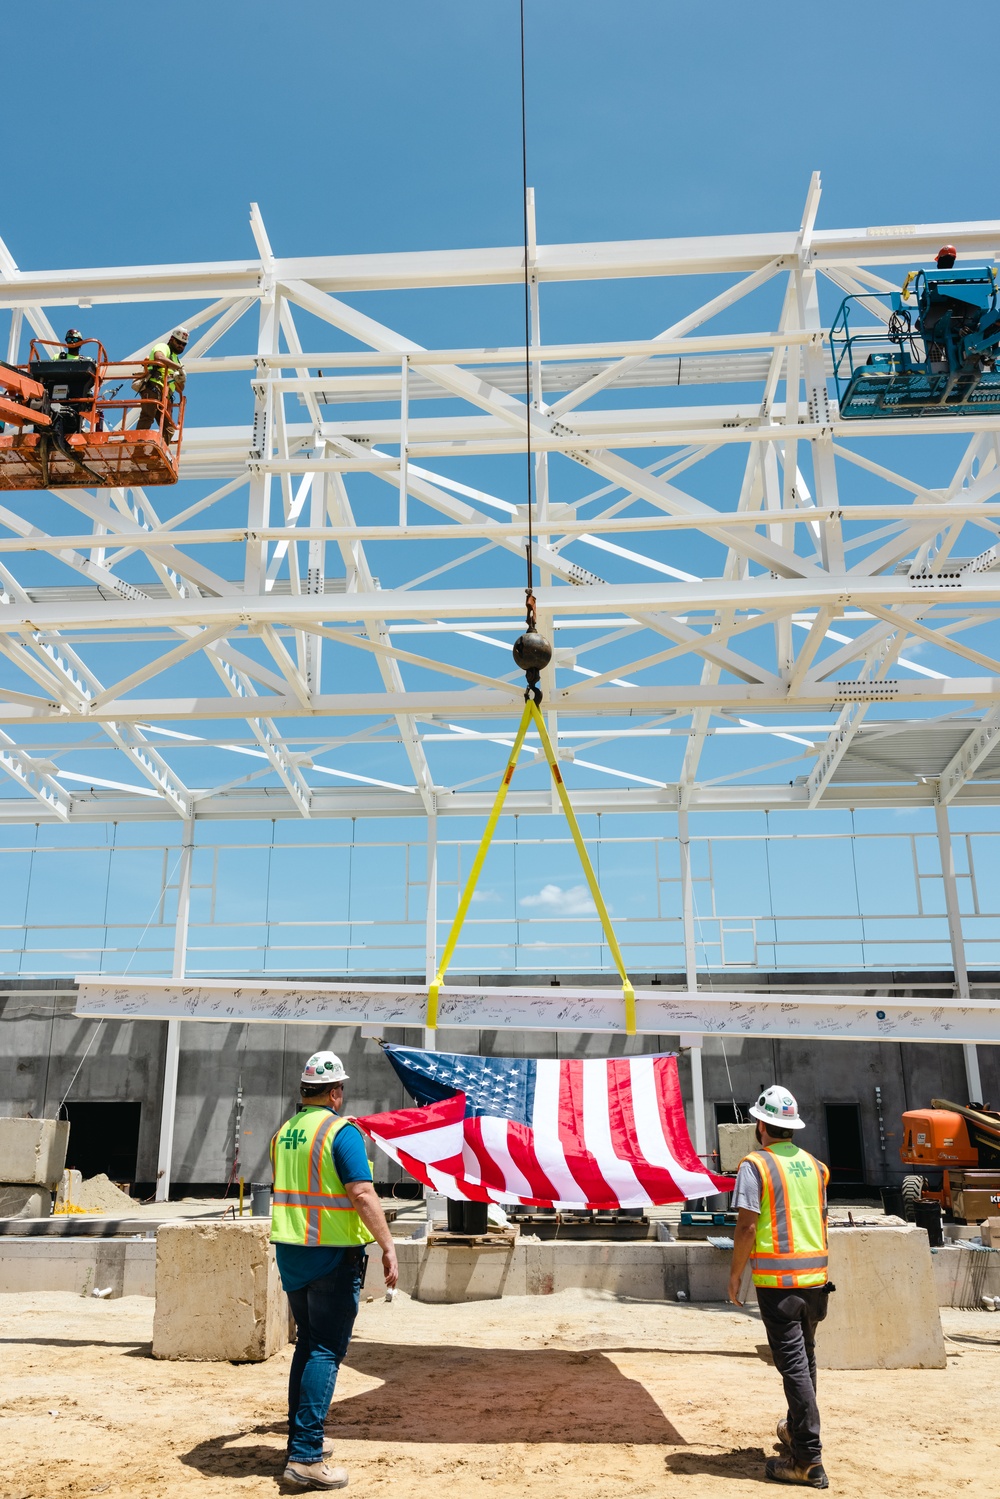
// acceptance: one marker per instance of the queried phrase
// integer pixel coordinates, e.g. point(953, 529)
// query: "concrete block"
point(33, 1151)
point(735, 1141)
point(461, 1272)
point(68, 1190)
point(218, 1295)
point(884, 1314)
point(25, 1202)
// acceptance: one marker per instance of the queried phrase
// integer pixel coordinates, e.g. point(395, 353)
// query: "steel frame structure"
point(803, 625)
point(814, 604)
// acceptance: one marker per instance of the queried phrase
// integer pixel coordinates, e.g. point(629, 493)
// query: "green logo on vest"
point(293, 1139)
point(800, 1168)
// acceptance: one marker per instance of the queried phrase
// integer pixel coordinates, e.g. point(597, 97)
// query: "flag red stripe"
point(400, 1122)
point(672, 1120)
point(655, 1180)
point(582, 1164)
point(470, 1190)
point(521, 1144)
point(488, 1169)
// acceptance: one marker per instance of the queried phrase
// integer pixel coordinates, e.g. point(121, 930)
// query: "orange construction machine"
point(61, 428)
point(954, 1156)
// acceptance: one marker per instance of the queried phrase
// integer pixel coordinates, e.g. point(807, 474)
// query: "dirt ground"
point(572, 1394)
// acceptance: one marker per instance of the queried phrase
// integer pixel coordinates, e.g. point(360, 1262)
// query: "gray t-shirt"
point(746, 1193)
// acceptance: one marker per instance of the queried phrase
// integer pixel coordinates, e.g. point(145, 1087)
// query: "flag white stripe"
point(597, 1133)
point(547, 1145)
point(649, 1131)
point(494, 1132)
point(448, 1185)
point(437, 1144)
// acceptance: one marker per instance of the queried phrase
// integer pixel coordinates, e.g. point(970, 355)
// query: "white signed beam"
point(803, 1016)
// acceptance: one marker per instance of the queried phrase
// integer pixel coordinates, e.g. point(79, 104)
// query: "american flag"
point(601, 1133)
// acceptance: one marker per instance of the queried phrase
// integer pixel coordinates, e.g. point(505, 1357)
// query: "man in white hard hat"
point(163, 368)
point(324, 1213)
point(780, 1197)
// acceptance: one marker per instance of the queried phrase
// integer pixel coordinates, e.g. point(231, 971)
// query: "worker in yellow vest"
point(163, 368)
point(324, 1213)
point(780, 1198)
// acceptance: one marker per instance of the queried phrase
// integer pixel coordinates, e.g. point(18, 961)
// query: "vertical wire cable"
point(527, 318)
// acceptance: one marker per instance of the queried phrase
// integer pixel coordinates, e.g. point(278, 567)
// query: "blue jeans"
point(324, 1313)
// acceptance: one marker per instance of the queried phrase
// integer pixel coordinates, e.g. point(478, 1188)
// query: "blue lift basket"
point(936, 356)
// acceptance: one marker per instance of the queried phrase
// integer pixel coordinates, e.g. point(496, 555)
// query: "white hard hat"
point(778, 1107)
point(324, 1067)
point(180, 332)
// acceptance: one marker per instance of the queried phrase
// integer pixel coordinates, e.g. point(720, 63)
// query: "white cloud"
point(484, 895)
point(555, 901)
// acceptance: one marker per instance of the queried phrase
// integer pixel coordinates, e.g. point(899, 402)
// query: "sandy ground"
point(573, 1394)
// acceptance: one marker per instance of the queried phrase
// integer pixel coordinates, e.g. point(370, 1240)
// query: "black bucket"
point(928, 1215)
point(467, 1217)
point(892, 1202)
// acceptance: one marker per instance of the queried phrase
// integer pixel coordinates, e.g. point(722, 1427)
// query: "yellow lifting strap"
point(530, 715)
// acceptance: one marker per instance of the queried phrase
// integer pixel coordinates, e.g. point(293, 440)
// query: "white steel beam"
point(961, 967)
point(966, 760)
point(171, 1060)
point(958, 1021)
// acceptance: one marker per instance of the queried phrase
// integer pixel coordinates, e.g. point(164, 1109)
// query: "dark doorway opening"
point(732, 1113)
point(845, 1148)
point(104, 1137)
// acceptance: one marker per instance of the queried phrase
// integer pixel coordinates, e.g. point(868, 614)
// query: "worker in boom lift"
point(324, 1213)
point(163, 366)
point(73, 340)
point(780, 1198)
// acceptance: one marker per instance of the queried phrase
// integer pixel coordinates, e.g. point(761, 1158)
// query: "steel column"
point(691, 970)
point(431, 915)
point(168, 1106)
point(973, 1080)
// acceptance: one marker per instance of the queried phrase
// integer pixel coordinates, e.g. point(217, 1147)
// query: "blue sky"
point(394, 126)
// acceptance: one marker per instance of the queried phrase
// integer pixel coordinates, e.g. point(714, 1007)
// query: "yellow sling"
point(530, 715)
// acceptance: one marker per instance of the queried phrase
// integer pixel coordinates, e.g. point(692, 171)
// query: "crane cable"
point(532, 653)
point(530, 550)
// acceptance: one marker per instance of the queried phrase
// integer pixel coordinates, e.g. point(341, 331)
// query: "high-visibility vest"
point(157, 372)
point(791, 1244)
point(309, 1204)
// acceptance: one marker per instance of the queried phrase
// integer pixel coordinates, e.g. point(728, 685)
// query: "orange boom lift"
point(69, 432)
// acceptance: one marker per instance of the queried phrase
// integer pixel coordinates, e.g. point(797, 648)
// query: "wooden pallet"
point(497, 1238)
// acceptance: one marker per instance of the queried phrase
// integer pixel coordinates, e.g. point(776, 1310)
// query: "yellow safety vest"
point(158, 372)
point(309, 1204)
point(791, 1244)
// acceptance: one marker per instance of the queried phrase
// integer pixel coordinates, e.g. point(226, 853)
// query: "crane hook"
point(532, 652)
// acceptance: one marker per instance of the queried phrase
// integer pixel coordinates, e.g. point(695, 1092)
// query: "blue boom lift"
point(938, 353)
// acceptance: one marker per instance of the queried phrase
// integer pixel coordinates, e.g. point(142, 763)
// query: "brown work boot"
point(787, 1470)
point(315, 1476)
point(784, 1434)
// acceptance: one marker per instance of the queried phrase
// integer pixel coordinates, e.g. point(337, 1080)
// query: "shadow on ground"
point(471, 1396)
point(745, 1463)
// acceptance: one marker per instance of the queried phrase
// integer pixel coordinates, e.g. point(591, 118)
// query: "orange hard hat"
point(946, 252)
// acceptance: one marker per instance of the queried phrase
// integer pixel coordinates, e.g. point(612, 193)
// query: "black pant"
point(790, 1319)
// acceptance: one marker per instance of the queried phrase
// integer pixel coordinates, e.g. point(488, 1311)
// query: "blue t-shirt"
point(298, 1264)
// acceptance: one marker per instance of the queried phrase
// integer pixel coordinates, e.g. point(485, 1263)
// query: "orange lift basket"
point(59, 429)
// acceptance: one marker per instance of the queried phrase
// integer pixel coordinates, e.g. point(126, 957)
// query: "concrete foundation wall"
point(128, 1266)
point(43, 1044)
point(645, 1272)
